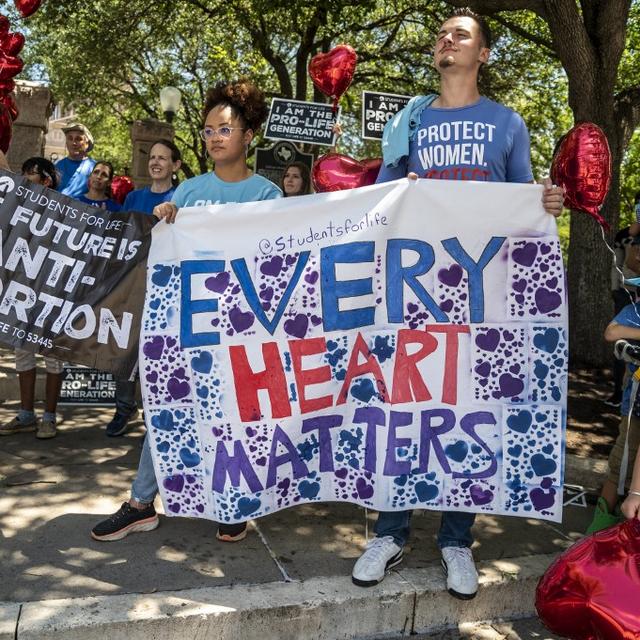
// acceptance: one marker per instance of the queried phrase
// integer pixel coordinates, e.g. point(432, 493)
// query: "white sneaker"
point(380, 555)
point(460, 569)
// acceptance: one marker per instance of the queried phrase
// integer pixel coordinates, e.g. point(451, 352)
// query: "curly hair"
point(245, 100)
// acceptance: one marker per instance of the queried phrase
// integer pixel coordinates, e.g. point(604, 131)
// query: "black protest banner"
point(72, 276)
point(377, 109)
point(300, 121)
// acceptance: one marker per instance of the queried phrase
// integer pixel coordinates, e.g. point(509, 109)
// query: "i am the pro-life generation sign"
point(377, 110)
point(299, 121)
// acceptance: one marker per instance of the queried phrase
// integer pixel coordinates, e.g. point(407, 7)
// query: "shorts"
point(26, 360)
point(615, 457)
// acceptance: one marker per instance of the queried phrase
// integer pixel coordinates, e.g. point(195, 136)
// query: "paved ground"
point(528, 629)
point(53, 492)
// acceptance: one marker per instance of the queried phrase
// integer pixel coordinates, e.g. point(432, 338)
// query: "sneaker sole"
point(393, 562)
point(453, 592)
point(149, 524)
point(46, 436)
point(225, 537)
point(28, 429)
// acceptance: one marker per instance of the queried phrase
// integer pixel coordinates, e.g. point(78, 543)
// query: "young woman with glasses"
point(232, 114)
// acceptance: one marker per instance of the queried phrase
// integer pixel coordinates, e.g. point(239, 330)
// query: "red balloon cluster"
point(120, 187)
point(335, 172)
point(332, 72)
point(592, 591)
point(27, 7)
point(582, 165)
point(10, 65)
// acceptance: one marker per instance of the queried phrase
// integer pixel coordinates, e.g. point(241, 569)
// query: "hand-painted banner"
point(71, 276)
point(398, 346)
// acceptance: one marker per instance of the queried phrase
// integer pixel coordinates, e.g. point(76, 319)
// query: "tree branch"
point(527, 35)
point(488, 7)
point(627, 111)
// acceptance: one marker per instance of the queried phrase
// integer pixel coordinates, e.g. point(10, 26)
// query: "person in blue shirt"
point(99, 191)
point(233, 113)
point(625, 326)
point(75, 169)
point(164, 160)
point(456, 135)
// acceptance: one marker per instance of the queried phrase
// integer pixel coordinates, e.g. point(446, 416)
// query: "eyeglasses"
point(224, 132)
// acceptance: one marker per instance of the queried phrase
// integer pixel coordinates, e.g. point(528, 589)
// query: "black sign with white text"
point(270, 163)
point(81, 385)
point(72, 276)
point(299, 121)
point(377, 109)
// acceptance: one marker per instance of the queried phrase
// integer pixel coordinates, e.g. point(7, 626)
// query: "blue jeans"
point(145, 486)
point(126, 397)
point(455, 527)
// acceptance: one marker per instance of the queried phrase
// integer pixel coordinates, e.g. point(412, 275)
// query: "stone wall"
point(35, 103)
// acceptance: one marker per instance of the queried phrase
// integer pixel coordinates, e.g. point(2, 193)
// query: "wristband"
point(634, 493)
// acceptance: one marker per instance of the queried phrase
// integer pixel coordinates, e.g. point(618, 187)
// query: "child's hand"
point(631, 506)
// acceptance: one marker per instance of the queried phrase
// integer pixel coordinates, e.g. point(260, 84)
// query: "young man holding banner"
point(457, 135)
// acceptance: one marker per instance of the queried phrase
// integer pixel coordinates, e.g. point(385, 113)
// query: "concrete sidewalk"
point(289, 579)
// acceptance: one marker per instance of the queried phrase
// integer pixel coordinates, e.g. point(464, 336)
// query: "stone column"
point(34, 102)
point(143, 134)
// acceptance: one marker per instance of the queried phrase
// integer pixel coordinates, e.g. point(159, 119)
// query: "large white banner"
point(398, 346)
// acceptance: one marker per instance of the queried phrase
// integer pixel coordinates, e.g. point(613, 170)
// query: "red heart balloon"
point(120, 187)
point(592, 591)
point(11, 43)
point(7, 86)
point(5, 129)
point(332, 72)
point(27, 7)
point(10, 66)
point(582, 165)
point(335, 172)
point(4, 25)
point(9, 102)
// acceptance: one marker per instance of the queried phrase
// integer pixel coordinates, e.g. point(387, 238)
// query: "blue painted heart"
point(520, 422)
point(189, 458)
point(161, 274)
point(426, 492)
point(308, 489)
point(202, 363)
point(543, 466)
point(247, 506)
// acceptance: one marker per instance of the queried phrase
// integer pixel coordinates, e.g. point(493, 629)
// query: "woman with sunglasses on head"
point(164, 160)
point(99, 192)
point(38, 171)
point(232, 113)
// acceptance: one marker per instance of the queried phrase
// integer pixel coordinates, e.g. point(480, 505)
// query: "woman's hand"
point(166, 211)
point(631, 506)
point(552, 198)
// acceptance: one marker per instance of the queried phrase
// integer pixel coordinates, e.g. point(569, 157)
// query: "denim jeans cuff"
point(143, 500)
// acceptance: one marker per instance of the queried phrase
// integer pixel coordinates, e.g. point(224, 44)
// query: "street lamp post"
point(170, 99)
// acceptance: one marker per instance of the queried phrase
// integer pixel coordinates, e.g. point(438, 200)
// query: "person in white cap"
point(77, 166)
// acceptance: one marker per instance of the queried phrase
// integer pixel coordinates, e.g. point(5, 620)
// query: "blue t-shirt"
point(74, 175)
point(629, 317)
point(144, 200)
point(484, 141)
point(209, 189)
point(108, 204)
